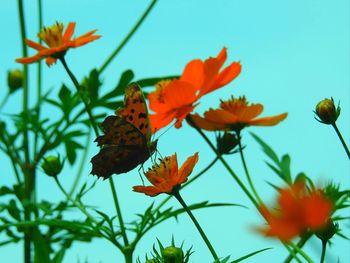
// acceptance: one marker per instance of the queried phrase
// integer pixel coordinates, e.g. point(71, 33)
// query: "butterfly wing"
point(135, 109)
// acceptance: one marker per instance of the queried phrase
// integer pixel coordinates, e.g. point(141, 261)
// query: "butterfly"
point(126, 142)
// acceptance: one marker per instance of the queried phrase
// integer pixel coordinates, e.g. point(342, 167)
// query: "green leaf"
point(58, 258)
point(4, 190)
point(41, 248)
point(148, 82)
point(13, 210)
point(267, 149)
point(71, 150)
point(250, 255)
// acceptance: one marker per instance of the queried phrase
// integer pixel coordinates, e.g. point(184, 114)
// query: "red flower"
point(58, 43)
point(175, 99)
point(166, 176)
point(235, 114)
point(298, 210)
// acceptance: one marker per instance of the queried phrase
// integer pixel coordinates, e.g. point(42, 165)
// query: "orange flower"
point(235, 114)
point(166, 177)
point(58, 43)
point(175, 99)
point(298, 210)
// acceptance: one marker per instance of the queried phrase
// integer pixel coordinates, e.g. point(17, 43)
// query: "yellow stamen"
point(52, 36)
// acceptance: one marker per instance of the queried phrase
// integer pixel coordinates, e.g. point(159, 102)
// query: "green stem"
point(27, 175)
point(300, 244)
point(301, 252)
point(323, 254)
point(119, 213)
point(82, 164)
point(3, 102)
point(232, 173)
point(194, 220)
point(341, 139)
point(246, 170)
point(94, 125)
point(127, 38)
point(82, 96)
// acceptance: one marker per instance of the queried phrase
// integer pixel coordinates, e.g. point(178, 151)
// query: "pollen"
point(52, 36)
point(160, 86)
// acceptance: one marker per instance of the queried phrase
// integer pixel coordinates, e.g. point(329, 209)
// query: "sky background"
point(293, 54)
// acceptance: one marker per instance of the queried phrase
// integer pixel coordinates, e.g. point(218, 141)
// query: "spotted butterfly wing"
point(126, 140)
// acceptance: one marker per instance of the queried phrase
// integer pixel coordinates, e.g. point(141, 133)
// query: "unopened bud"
point(14, 80)
point(327, 112)
point(173, 255)
point(226, 143)
point(52, 165)
point(328, 231)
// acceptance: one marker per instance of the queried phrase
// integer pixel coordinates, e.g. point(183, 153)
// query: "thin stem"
point(232, 173)
point(323, 254)
point(341, 139)
point(128, 36)
point(82, 163)
point(194, 220)
point(246, 170)
point(3, 102)
point(301, 252)
point(94, 125)
point(27, 175)
point(119, 213)
point(77, 85)
point(300, 244)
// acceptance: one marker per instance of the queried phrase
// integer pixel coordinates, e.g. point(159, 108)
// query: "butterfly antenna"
point(165, 130)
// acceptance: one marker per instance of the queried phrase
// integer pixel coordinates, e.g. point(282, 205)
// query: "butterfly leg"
point(139, 171)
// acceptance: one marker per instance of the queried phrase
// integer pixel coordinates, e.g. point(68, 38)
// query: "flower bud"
point(328, 231)
point(14, 80)
point(226, 143)
point(173, 255)
point(52, 165)
point(327, 112)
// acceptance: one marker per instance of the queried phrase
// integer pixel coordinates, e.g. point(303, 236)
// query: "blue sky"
point(293, 54)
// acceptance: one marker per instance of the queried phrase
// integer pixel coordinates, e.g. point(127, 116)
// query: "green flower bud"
point(14, 80)
point(52, 165)
point(173, 255)
point(226, 143)
point(327, 112)
point(328, 231)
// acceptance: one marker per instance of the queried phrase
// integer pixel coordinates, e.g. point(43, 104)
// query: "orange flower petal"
point(226, 76)
point(268, 121)
point(186, 168)
point(222, 56)
point(148, 190)
point(50, 61)
point(179, 93)
point(69, 32)
point(161, 120)
point(317, 210)
point(34, 45)
point(205, 124)
point(28, 60)
point(80, 41)
point(245, 114)
point(220, 116)
point(194, 73)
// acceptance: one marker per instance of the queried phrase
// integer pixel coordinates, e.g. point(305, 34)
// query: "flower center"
point(52, 36)
point(160, 86)
point(234, 104)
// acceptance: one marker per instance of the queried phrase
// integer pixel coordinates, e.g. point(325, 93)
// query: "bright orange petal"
point(248, 113)
point(34, 45)
point(222, 56)
point(181, 114)
point(194, 73)
point(83, 41)
point(268, 121)
point(69, 32)
point(317, 210)
point(29, 60)
point(161, 120)
point(226, 76)
point(186, 168)
point(179, 93)
point(148, 190)
point(207, 125)
point(220, 116)
point(50, 61)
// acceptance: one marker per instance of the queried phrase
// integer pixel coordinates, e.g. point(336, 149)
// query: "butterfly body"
point(126, 142)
